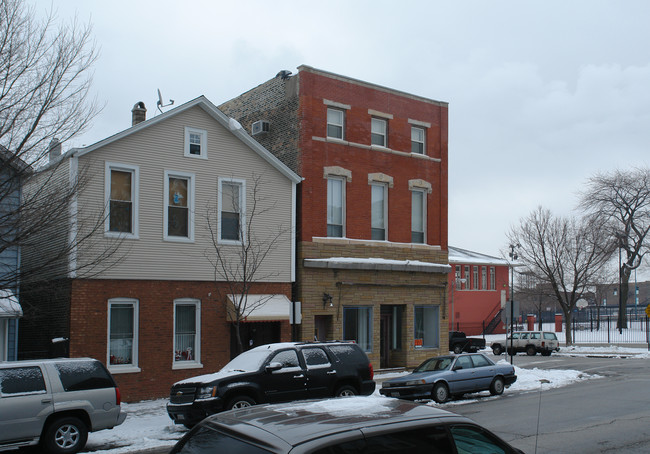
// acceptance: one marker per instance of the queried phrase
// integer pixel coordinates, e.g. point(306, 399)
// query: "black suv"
point(274, 373)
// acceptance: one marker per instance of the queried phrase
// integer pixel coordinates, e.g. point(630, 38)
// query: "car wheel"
point(65, 436)
point(497, 386)
point(440, 393)
point(458, 349)
point(240, 402)
point(497, 350)
point(345, 391)
point(531, 351)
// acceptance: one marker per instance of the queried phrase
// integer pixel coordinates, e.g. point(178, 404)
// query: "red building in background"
point(478, 289)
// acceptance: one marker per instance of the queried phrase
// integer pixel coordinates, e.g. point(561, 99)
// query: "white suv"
point(55, 403)
point(531, 342)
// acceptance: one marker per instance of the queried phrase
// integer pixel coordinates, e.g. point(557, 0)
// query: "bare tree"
point(238, 261)
point(621, 199)
point(563, 253)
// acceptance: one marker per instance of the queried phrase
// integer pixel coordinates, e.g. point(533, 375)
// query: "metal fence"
point(599, 325)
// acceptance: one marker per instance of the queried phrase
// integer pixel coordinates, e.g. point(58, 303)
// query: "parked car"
point(531, 342)
point(459, 343)
point(441, 377)
point(350, 425)
point(55, 403)
point(274, 373)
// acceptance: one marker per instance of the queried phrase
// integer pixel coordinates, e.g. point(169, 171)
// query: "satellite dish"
point(160, 103)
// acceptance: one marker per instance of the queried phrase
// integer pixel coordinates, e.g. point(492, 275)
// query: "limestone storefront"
point(394, 308)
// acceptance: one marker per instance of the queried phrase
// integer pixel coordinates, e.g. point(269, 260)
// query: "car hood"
point(210, 378)
point(417, 376)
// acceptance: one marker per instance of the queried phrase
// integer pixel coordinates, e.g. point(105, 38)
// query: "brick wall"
point(89, 327)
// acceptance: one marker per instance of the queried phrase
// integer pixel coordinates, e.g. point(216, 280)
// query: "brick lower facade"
point(89, 327)
point(385, 291)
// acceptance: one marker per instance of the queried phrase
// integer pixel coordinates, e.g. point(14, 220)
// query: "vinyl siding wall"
point(160, 148)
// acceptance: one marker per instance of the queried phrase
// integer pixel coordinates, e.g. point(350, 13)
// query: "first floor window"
point(378, 132)
point(427, 326)
point(179, 203)
point(467, 278)
point(122, 332)
point(475, 277)
point(378, 212)
point(335, 199)
point(483, 278)
point(417, 216)
point(357, 326)
point(231, 199)
point(458, 277)
point(492, 279)
point(186, 331)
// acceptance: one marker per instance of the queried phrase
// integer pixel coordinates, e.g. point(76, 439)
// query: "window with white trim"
point(187, 331)
point(468, 278)
point(231, 210)
point(484, 278)
point(196, 142)
point(417, 140)
point(418, 216)
point(492, 278)
point(378, 128)
point(335, 123)
point(336, 207)
point(122, 334)
point(179, 206)
point(475, 277)
point(378, 212)
point(121, 191)
point(458, 277)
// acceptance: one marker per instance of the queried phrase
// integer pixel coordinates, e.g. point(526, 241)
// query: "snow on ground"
point(148, 426)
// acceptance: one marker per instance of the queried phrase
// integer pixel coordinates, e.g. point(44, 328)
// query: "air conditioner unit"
point(260, 127)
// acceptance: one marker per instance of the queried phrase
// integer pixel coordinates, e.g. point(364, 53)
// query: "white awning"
point(261, 308)
point(9, 306)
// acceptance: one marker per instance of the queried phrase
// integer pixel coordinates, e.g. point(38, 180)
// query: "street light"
point(513, 256)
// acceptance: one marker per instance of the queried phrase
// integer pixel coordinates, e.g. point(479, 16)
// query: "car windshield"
point(249, 361)
point(432, 364)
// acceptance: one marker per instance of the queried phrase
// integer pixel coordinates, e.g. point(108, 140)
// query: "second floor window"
point(492, 278)
point(335, 123)
point(475, 277)
point(418, 213)
point(179, 201)
point(417, 140)
point(196, 142)
point(378, 212)
point(378, 132)
point(467, 278)
point(121, 201)
point(483, 278)
point(231, 209)
point(335, 207)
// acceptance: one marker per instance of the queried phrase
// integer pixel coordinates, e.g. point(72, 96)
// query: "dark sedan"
point(441, 377)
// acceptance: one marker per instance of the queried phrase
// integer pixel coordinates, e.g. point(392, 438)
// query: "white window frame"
point(135, 194)
point(475, 276)
point(204, 142)
point(424, 215)
point(468, 278)
point(377, 121)
point(384, 188)
point(493, 280)
point(242, 215)
point(342, 181)
point(190, 206)
point(196, 361)
point(134, 366)
point(423, 142)
point(484, 277)
point(341, 125)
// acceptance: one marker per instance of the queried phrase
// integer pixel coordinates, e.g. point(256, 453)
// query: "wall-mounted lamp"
point(327, 300)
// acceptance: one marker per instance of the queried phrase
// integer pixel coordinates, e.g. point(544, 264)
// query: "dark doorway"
point(390, 336)
point(254, 334)
point(322, 327)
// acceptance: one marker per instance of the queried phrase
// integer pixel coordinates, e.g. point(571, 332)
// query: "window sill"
point(121, 235)
point(123, 369)
point(178, 239)
point(186, 365)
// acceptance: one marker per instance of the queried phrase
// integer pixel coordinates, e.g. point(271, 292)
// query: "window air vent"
point(260, 127)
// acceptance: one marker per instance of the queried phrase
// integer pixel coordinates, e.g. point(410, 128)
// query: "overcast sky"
point(542, 94)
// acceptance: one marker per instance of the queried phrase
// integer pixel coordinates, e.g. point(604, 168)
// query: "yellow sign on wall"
point(647, 310)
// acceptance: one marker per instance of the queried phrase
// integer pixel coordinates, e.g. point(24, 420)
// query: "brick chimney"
point(139, 113)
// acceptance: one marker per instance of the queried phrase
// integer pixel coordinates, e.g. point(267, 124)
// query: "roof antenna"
point(160, 103)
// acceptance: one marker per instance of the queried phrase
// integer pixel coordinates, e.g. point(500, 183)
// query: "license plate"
point(394, 394)
point(180, 417)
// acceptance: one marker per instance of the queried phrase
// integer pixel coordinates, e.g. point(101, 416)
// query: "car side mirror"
point(272, 367)
point(458, 367)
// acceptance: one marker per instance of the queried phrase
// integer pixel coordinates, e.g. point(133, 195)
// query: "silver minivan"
point(55, 403)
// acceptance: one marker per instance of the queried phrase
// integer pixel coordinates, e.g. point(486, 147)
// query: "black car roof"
point(299, 422)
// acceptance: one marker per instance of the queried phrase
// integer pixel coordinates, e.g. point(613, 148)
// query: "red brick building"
point(478, 289)
point(372, 208)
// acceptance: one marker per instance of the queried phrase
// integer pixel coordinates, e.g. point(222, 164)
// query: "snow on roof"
point(457, 255)
point(377, 264)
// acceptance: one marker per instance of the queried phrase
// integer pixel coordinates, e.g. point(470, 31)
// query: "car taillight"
point(543, 343)
point(372, 371)
point(118, 396)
